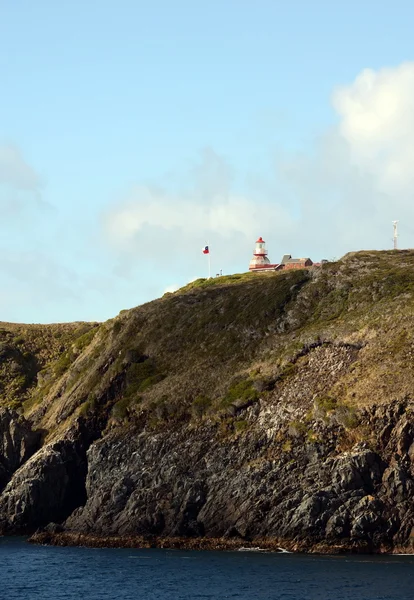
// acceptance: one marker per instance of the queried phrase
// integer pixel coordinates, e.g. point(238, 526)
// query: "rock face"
point(248, 486)
point(206, 482)
point(243, 409)
point(201, 482)
point(17, 443)
point(47, 487)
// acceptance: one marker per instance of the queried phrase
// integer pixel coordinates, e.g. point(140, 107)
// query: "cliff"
point(275, 408)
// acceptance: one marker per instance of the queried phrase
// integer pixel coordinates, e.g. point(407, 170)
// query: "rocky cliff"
point(275, 408)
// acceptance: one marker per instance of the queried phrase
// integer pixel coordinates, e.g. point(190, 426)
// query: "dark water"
point(32, 572)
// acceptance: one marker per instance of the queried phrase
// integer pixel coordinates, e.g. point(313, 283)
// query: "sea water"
point(38, 572)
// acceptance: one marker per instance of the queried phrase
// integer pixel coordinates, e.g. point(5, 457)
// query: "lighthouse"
point(260, 260)
point(260, 263)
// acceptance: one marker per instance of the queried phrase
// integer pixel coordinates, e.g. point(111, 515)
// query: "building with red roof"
point(260, 261)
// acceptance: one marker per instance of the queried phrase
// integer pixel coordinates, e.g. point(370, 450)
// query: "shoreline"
point(73, 538)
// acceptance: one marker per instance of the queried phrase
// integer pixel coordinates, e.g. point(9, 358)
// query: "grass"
point(241, 426)
point(89, 406)
point(122, 408)
point(324, 405)
point(185, 356)
point(141, 376)
point(200, 406)
point(242, 392)
point(64, 362)
point(298, 428)
point(85, 339)
point(31, 352)
point(218, 281)
point(329, 408)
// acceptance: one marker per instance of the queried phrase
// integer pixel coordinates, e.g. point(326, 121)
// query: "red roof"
point(260, 240)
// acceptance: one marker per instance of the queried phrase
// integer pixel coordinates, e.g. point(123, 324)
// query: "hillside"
point(275, 407)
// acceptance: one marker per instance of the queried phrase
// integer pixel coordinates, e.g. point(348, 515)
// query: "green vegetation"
point(64, 362)
point(242, 393)
point(347, 416)
point(327, 407)
point(89, 406)
point(200, 406)
point(122, 408)
point(208, 351)
point(222, 280)
point(241, 426)
point(28, 352)
point(85, 339)
point(79, 344)
point(141, 376)
point(298, 428)
point(324, 405)
point(360, 279)
point(117, 327)
point(288, 369)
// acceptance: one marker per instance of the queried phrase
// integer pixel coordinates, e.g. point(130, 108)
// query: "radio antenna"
point(395, 236)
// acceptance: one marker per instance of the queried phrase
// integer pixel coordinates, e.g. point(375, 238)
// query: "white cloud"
point(207, 206)
point(340, 196)
point(377, 121)
point(15, 171)
point(359, 175)
point(169, 228)
point(221, 214)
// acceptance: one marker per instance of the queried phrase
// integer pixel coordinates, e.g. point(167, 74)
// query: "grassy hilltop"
point(271, 409)
point(215, 346)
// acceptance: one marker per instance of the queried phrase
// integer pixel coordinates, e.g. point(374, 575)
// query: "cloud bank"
point(168, 229)
point(340, 196)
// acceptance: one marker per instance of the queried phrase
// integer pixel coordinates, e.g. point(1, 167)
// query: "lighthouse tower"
point(260, 260)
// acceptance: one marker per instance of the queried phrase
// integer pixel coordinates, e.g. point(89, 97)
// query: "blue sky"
point(133, 132)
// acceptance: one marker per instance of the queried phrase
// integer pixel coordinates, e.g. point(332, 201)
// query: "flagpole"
point(206, 250)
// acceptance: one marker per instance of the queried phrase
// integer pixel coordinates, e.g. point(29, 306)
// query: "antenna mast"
point(395, 237)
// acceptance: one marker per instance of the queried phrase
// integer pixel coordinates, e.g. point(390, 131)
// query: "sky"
point(132, 133)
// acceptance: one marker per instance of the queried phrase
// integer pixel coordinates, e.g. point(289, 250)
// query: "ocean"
point(47, 573)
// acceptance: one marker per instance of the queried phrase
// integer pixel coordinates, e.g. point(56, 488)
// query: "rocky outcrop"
point(248, 487)
point(48, 486)
point(275, 409)
point(17, 443)
point(269, 476)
